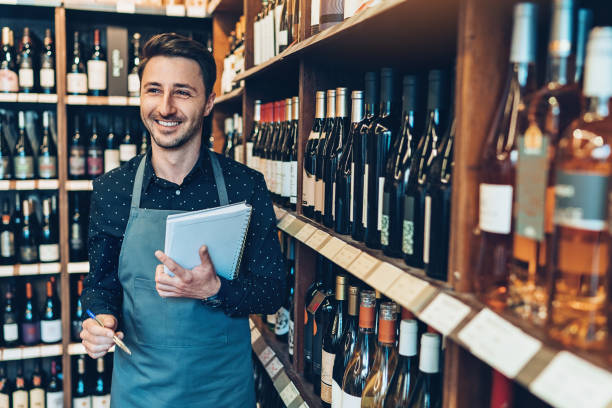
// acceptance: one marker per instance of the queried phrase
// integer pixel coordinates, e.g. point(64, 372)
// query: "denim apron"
point(184, 354)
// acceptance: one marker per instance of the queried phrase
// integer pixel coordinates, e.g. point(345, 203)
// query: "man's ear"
point(210, 102)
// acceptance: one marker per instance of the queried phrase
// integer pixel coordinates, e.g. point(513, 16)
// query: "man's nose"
point(166, 106)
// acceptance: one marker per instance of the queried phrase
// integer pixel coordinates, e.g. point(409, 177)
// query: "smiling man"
point(188, 334)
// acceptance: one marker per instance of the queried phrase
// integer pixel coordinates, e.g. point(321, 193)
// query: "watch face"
point(212, 301)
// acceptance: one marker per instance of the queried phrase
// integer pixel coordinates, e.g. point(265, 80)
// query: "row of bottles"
point(275, 27)
point(29, 69)
point(233, 137)
point(274, 148)
point(36, 390)
point(92, 156)
point(233, 63)
point(91, 387)
point(544, 176)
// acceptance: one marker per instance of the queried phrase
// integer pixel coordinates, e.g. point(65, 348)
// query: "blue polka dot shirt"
point(260, 286)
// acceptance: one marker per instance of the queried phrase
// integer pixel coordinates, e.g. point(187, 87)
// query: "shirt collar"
point(202, 167)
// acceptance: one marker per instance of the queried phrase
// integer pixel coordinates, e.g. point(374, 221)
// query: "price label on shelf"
point(279, 212)
point(196, 11)
point(118, 100)
point(78, 267)
point(175, 10)
point(444, 313)
point(251, 324)
point(274, 367)
point(25, 269)
point(134, 101)
point(499, 343)
point(47, 98)
point(47, 184)
point(76, 348)
point(305, 233)
point(126, 7)
point(25, 185)
point(12, 2)
point(266, 355)
point(255, 334)
point(27, 97)
point(406, 289)
point(5, 185)
point(30, 352)
point(384, 276)
point(287, 219)
point(53, 350)
point(11, 354)
point(332, 247)
point(363, 265)
point(7, 270)
point(76, 99)
point(346, 256)
point(289, 394)
point(317, 239)
point(569, 381)
point(53, 267)
point(8, 97)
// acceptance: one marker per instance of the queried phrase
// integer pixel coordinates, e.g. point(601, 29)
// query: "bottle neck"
point(524, 73)
point(370, 109)
point(558, 72)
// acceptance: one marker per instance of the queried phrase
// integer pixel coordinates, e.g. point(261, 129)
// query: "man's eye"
point(183, 93)
point(153, 90)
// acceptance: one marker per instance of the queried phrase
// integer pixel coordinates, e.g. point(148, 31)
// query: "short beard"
point(181, 139)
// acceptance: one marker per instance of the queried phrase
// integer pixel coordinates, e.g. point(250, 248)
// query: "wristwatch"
point(212, 301)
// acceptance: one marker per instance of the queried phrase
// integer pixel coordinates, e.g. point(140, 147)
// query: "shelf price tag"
point(274, 367)
point(346, 256)
point(30, 352)
point(134, 101)
point(383, 276)
point(255, 334)
point(5, 185)
point(27, 97)
point(11, 354)
point(499, 343)
point(53, 267)
point(31, 269)
point(47, 98)
point(362, 265)
point(251, 324)
point(266, 355)
point(76, 348)
point(7, 270)
point(287, 219)
point(76, 99)
point(196, 11)
point(279, 212)
point(445, 313)
point(317, 239)
point(289, 394)
point(175, 10)
point(305, 233)
point(118, 100)
point(8, 97)
point(569, 381)
point(406, 290)
point(332, 247)
point(25, 185)
point(126, 7)
point(78, 267)
point(47, 184)
point(53, 350)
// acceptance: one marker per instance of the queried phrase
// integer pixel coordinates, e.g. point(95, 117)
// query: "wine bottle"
point(427, 149)
point(30, 321)
point(9, 80)
point(81, 397)
point(292, 153)
point(281, 327)
point(501, 391)
point(6, 157)
point(333, 154)
point(26, 64)
point(385, 359)
point(326, 131)
point(284, 155)
point(253, 138)
point(55, 389)
point(379, 139)
point(277, 13)
point(359, 155)
point(332, 340)
point(78, 250)
point(47, 64)
point(20, 392)
point(111, 152)
point(497, 170)
point(580, 266)
point(427, 391)
point(309, 297)
point(10, 328)
point(310, 158)
point(346, 345)
point(77, 163)
point(261, 145)
point(331, 13)
point(322, 318)
point(284, 29)
point(403, 379)
point(100, 397)
point(228, 133)
point(360, 363)
point(397, 171)
point(76, 323)
point(23, 159)
point(133, 77)
point(7, 235)
point(291, 302)
point(27, 239)
point(127, 148)
point(76, 78)
point(551, 110)
point(51, 321)
point(144, 142)
point(238, 148)
point(315, 8)
point(47, 152)
point(96, 68)
point(48, 247)
point(17, 219)
point(5, 388)
point(37, 389)
point(95, 161)
point(276, 169)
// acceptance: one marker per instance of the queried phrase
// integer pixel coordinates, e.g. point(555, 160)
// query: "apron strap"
point(217, 173)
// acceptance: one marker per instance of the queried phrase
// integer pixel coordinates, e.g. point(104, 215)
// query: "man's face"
point(173, 100)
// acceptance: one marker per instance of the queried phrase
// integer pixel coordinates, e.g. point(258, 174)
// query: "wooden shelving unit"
point(232, 97)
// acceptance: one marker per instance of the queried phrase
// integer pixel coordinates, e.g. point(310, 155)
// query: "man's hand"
point(198, 283)
point(97, 339)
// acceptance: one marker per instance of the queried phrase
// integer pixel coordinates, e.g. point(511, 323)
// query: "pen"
point(116, 339)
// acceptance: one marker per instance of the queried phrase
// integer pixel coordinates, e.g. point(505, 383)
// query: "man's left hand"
point(198, 283)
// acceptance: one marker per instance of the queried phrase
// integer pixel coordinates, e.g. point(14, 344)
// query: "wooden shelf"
point(20, 353)
point(229, 6)
point(129, 7)
point(30, 269)
point(87, 100)
point(230, 98)
point(28, 97)
point(79, 185)
point(515, 347)
point(40, 184)
point(78, 267)
point(274, 356)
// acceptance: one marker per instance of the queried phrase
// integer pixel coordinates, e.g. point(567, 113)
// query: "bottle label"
point(76, 240)
point(280, 178)
point(286, 179)
point(408, 226)
point(249, 154)
point(51, 331)
point(327, 369)
point(26, 78)
point(315, 7)
point(48, 252)
point(333, 205)
point(5, 168)
point(111, 159)
point(381, 187)
point(283, 38)
point(9, 81)
point(427, 229)
point(290, 334)
point(352, 192)
point(293, 170)
point(24, 167)
point(531, 181)
point(332, 12)
point(55, 399)
point(47, 77)
point(336, 401)
point(77, 161)
point(82, 402)
point(28, 253)
point(281, 325)
point(47, 167)
point(495, 208)
point(133, 84)
point(96, 75)
point(364, 213)
point(37, 398)
point(271, 319)
point(20, 399)
point(76, 83)
point(309, 190)
point(100, 401)
point(581, 200)
point(384, 220)
point(10, 331)
point(4, 401)
point(7, 244)
point(350, 401)
point(126, 152)
point(95, 165)
point(319, 195)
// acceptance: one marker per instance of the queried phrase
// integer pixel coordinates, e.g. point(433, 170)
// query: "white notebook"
point(222, 229)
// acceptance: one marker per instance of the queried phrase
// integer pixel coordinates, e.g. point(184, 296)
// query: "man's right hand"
point(97, 339)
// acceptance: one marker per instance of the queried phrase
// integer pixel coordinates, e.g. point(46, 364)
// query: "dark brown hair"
point(176, 45)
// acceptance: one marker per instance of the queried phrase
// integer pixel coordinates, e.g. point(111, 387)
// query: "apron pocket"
point(149, 316)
